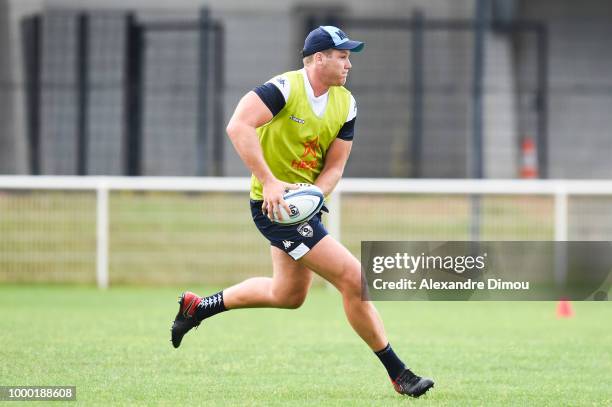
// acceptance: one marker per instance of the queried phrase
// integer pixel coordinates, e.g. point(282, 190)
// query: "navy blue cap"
point(326, 37)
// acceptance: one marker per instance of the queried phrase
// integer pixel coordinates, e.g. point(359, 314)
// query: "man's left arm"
point(335, 161)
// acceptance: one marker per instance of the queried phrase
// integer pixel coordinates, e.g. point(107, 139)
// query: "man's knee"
point(291, 300)
point(351, 279)
point(290, 297)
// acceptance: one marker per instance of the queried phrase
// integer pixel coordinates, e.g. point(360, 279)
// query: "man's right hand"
point(273, 192)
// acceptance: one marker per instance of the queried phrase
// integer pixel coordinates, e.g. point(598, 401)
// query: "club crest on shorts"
point(305, 230)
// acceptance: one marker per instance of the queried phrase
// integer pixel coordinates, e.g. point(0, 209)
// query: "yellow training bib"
point(295, 141)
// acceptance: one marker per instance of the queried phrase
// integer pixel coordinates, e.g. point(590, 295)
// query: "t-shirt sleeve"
point(347, 131)
point(274, 93)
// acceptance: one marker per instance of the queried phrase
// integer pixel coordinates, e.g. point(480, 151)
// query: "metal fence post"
point(102, 227)
point(335, 219)
point(219, 83)
point(82, 90)
point(477, 167)
point(31, 34)
point(203, 94)
point(542, 100)
point(418, 22)
point(561, 214)
point(561, 234)
point(133, 99)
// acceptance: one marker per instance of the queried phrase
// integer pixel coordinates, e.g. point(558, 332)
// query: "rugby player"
point(298, 128)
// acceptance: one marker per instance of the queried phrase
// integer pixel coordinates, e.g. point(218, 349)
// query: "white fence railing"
point(560, 190)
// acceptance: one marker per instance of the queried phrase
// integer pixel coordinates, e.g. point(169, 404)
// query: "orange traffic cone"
point(529, 159)
point(564, 309)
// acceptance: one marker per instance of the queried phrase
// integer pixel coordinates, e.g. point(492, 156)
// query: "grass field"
point(114, 346)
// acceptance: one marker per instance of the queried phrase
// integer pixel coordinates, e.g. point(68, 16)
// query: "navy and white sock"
point(392, 363)
point(210, 306)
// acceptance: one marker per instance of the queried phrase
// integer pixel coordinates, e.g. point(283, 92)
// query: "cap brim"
point(353, 46)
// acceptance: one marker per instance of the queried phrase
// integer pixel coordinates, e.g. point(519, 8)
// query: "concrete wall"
point(5, 89)
point(11, 157)
point(13, 139)
point(265, 38)
point(501, 132)
point(580, 66)
point(261, 41)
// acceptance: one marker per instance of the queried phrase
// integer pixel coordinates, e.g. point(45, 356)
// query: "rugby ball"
point(304, 203)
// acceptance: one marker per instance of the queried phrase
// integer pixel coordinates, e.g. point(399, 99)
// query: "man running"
point(298, 128)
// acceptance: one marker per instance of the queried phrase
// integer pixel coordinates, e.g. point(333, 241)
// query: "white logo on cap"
point(334, 33)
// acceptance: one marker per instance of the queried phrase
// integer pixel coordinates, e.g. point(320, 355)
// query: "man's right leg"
point(287, 288)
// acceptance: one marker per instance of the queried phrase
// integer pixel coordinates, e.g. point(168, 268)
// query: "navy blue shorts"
point(295, 240)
